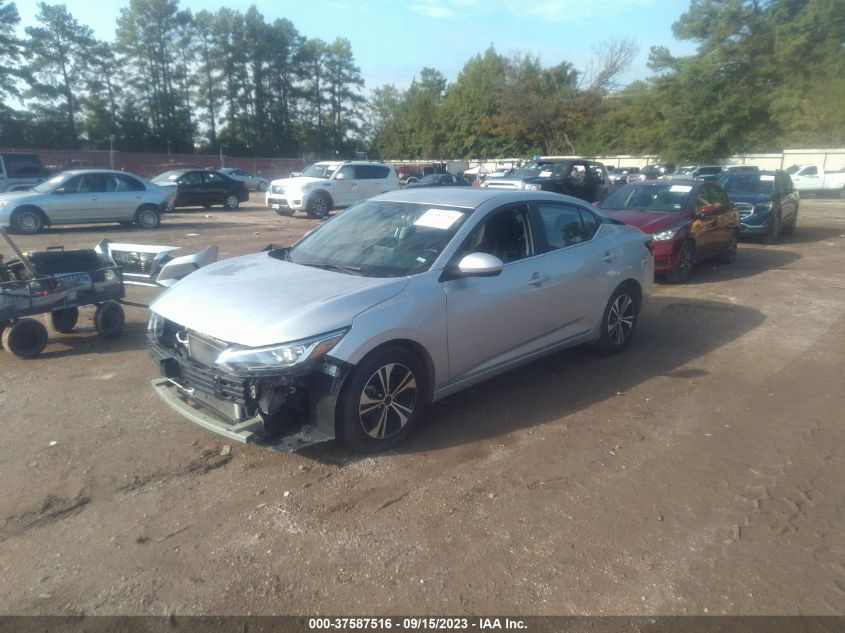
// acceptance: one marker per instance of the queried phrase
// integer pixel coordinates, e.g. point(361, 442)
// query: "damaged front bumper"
point(283, 412)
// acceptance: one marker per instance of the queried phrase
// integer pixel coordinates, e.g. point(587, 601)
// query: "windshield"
point(539, 169)
point(52, 183)
point(748, 183)
point(655, 196)
point(320, 170)
point(168, 176)
point(793, 170)
point(380, 239)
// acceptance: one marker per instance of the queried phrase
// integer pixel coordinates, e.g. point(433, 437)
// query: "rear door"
point(123, 196)
point(582, 268)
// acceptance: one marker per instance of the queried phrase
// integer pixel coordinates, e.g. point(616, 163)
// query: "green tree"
point(10, 50)
point(59, 51)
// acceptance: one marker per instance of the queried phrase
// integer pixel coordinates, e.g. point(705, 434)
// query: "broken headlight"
point(275, 357)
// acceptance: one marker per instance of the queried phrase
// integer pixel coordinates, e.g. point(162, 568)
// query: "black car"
point(439, 180)
point(203, 188)
point(583, 179)
point(766, 201)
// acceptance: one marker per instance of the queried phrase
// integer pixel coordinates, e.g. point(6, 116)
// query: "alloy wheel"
point(620, 319)
point(28, 221)
point(387, 401)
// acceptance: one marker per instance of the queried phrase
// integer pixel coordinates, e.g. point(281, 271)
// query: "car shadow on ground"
point(810, 234)
point(673, 333)
point(750, 261)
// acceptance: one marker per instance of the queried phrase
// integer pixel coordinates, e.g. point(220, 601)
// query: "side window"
point(72, 185)
point(191, 178)
point(577, 176)
point(22, 166)
point(92, 183)
point(347, 171)
point(598, 174)
point(124, 183)
point(711, 196)
point(505, 234)
point(566, 225)
point(811, 171)
point(211, 178)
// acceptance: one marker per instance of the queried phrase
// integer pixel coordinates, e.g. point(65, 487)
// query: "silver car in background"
point(253, 181)
point(400, 301)
point(85, 196)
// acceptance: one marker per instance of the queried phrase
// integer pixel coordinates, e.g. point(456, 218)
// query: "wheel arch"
point(32, 207)
point(318, 193)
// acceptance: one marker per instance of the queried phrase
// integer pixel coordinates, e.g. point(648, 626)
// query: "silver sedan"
point(253, 181)
point(400, 301)
point(85, 196)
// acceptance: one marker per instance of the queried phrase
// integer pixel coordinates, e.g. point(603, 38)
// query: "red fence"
point(149, 165)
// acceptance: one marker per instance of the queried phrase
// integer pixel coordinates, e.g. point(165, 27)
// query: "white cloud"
point(572, 11)
point(444, 8)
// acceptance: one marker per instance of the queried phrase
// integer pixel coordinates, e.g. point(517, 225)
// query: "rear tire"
point(109, 319)
point(63, 321)
point(148, 217)
point(619, 321)
point(383, 400)
point(25, 338)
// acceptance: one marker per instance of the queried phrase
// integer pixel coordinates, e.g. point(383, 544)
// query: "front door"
point(78, 200)
point(495, 320)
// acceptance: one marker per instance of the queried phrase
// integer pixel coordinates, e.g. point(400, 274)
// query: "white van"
point(20, 172)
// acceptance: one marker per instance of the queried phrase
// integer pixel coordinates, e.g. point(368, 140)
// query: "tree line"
point(766, 74)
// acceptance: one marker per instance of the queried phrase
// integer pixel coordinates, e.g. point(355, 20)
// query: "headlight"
point(531, 187)
point(763, 206)
point(275, 357)
point(155, 326)
point(668, 234)
point(4, 203)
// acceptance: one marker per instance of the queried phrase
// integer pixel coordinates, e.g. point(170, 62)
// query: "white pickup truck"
point(814, 179)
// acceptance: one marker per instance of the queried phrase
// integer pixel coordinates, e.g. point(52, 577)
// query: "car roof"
point(670, 182)
point(470, 197)
point(77, 172)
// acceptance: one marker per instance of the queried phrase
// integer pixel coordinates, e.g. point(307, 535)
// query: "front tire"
point(383, 400)
point(109, 319)
point(774, 231)
point(148, 217)
point(231, 202)
point(686, 261)
point(619, 321)
point(25, 338)
point(319, 206)
point(28, 221)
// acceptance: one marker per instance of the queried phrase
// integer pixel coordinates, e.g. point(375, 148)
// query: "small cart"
point(56, 282)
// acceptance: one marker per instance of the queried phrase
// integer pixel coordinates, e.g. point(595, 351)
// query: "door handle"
point(608, 257)
point(538, 280)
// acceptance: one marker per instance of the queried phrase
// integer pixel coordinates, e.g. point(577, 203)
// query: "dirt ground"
point(699, 472)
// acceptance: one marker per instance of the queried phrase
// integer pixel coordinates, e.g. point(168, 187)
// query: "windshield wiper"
point(340, 268)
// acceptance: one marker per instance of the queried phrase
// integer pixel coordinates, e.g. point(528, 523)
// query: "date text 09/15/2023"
point(415, 623)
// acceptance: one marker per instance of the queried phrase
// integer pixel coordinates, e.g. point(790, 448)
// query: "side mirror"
point(60, 191)
point(340, 177)
point(479, 265)
point(711, 209)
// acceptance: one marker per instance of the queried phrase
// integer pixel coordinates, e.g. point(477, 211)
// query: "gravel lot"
point(699, 472)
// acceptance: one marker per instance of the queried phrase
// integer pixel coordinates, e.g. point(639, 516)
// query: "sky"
point(393, 40)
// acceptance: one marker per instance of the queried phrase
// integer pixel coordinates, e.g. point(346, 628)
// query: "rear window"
point(22, 165)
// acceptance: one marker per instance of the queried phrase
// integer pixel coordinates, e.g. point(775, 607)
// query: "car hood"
point(17, 195)
point(258, 300)
point(649, 221)
point(751, 198)
point(298, 182)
